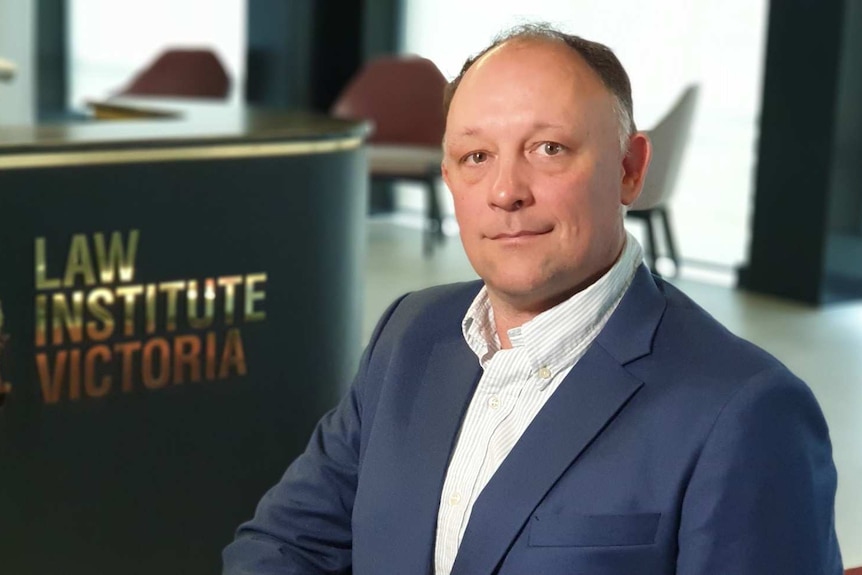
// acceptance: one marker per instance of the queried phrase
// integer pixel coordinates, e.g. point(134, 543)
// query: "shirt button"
point(494, 402)
point(454, 499)
point(544, 372)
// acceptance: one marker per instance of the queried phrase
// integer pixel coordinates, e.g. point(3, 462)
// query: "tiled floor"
point(823, 346)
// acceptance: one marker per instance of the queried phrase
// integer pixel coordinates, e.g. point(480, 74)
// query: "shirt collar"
point(555, 337)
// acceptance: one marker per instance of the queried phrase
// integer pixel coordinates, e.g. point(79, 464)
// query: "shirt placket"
point(485, 412)
point(496, 403)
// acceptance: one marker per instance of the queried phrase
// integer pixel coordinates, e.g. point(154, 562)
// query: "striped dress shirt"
point(514, 386)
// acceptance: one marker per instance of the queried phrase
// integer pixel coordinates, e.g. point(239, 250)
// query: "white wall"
point(111, 41)
point(433, 30)
point(664, 45)
point(17, 43)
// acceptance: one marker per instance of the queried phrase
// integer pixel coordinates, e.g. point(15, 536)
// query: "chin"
point(538, 289)
point(524, 288)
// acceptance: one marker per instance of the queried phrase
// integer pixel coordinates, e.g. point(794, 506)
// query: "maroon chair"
point(181, 73)
point(403, 97)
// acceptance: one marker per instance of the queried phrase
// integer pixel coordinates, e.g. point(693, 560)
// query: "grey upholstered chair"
point(669, 139)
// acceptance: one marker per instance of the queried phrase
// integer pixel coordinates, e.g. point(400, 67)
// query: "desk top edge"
point(246, 127)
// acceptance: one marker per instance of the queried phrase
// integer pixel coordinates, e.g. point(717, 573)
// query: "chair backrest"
point(669, 139)
point(7, 69)
point(402, 96)
point(184, 73)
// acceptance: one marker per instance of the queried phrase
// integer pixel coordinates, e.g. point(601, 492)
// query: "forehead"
point(536, 77)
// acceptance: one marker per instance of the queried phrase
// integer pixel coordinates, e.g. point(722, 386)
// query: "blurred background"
point(665, 45)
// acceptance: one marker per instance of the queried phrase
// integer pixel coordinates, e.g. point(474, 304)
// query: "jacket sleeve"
point(761, 498)
point(303, 524)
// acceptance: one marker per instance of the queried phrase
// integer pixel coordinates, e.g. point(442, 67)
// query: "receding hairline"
point(597, 57)
point(518, 43)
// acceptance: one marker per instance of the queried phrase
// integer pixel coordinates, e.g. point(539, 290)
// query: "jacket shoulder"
point(436, 311)
point(705, 340)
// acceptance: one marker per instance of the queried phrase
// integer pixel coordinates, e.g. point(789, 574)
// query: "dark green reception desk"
point(180, 303)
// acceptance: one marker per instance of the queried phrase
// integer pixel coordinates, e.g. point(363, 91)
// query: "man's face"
point(533, 160)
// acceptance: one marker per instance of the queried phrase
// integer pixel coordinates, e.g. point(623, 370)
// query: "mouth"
point(518, 235)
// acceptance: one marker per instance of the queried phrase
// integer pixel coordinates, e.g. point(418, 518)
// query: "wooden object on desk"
point(193, 111)
point(108, 110)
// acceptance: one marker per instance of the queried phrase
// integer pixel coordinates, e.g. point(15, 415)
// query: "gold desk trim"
point(208, 152)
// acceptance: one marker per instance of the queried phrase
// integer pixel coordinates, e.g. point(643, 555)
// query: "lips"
point(520, 234)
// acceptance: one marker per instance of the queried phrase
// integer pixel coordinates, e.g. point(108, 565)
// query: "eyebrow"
point(468, 132)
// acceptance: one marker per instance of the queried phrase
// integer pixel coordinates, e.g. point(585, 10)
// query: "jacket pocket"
point(573, 530)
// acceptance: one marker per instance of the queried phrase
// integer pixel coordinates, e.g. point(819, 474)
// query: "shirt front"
point(514, 386)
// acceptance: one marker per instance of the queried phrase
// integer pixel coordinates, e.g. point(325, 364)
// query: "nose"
point(511, 186)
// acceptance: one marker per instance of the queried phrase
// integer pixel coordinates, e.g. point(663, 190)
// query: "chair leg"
point(668, 234)
point(434, 220)
point(651, 244)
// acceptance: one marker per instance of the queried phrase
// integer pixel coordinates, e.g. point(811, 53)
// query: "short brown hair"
point(598, 57)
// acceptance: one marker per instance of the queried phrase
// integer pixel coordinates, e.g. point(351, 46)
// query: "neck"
point(511, 312)
point(506, 318)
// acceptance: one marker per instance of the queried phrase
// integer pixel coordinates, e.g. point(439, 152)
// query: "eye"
point(551, 148)
point(475, 158)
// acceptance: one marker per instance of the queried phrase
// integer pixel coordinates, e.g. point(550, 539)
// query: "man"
point(570, 413)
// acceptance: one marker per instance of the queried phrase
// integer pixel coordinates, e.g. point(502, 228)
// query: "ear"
point(635, 164)
point(444, 171)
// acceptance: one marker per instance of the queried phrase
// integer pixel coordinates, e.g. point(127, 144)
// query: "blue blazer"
point(672, 447)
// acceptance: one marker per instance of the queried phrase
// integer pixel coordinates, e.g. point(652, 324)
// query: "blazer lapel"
point(420, 455)
point(593, 393)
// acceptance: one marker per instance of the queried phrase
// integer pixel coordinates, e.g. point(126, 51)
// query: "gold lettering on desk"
point(233, 355)
point(68, 317)
point(208, 297)
point(41, 320)
point(129, 295)
point(42, 280)
point(229, 284)
point(151, 365)
point(79, 263)
point(127, 355)
point(102, 325)
point(150, 298)
point(98, 333)
point(187, 354)
point(97, 388)
point(117, 259)
point(253, 295)
point(114, 260)
point(172, 289)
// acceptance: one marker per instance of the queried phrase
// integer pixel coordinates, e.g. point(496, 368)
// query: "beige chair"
point(669, 139)
point(7, 70)
point(403, 97)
